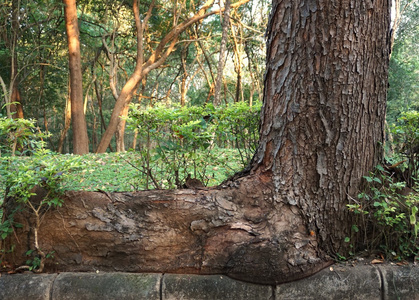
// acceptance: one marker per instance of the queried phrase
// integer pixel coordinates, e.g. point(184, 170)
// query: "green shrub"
point(22, 178)
point(385, 218)
point(174, 142)
point(406, 146)
point(19, 136)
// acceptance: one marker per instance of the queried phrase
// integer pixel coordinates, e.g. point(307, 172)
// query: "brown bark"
point(323, 118)
point(226, 230)
point(221, 60)
point(67, 123)
point(323, 115)
point(80, 138)
point(237, 66)
point(14, 108)
point(120, 130)
point(183, 88)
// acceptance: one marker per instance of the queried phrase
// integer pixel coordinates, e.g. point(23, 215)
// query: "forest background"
point(196, 62)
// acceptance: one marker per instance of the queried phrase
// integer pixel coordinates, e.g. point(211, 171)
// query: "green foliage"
point(406, 145)
point(176, 141)
point(35, 262)
point(385, 218)
point(44, 169)
point(19, 136)
point(30, 182)
point(404, 64)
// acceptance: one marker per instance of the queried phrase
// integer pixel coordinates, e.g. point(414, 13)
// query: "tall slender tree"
point(221, 60)
point(80, 138)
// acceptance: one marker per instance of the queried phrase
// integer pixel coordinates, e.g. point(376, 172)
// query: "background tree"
point(108, 58)
point(221, 60)
point(404, 63)
point(156, 59)
point(80, 139)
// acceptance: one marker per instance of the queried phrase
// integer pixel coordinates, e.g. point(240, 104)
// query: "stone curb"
point(337, 282)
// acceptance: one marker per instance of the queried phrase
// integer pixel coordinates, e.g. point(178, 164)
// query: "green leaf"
point(355, 228)
point(369, 179)
point(380, 168)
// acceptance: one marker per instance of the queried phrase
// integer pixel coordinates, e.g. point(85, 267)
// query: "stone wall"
point(337, 282)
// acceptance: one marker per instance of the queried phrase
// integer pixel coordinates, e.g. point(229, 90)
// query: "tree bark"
point(237, 65)
point(80, 138)
point(67, 123)
point(281, 219)
point(325, 98)
point(14, 107)
point(221, 60)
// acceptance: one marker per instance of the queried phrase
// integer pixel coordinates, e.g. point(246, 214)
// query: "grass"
point(121, 172)
point(118, 172)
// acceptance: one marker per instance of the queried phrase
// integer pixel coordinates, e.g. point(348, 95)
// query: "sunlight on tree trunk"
point(67, 122)
point(221, 59)
point(80, 138)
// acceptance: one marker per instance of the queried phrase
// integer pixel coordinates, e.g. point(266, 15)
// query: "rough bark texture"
point(80, 138)
point(323, 114)
point(236, 229)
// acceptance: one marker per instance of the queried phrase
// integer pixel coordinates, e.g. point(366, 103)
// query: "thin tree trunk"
point(80, 138)
point(120, 131)
point(221, 60)
point(67, 122)
point(15, 108)
point(183, 89)
point(237, 66)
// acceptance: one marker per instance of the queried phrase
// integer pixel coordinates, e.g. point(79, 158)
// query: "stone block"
point(104, 286)
point(336, 282)
point(401, 282)
point(211, 287)
point(26, 286)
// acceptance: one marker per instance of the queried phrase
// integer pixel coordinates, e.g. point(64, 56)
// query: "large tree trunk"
point(325, 97)
point(80, 138)
point(322, 124)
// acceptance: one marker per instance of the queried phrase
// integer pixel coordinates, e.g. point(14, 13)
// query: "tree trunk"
point(237, 64)
point(67, 122)
point(183, 88)
point(221, 60)
point(80, 138)
point(325, 98)
point(120, 131)
point(15, 109)
point(322, 125)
